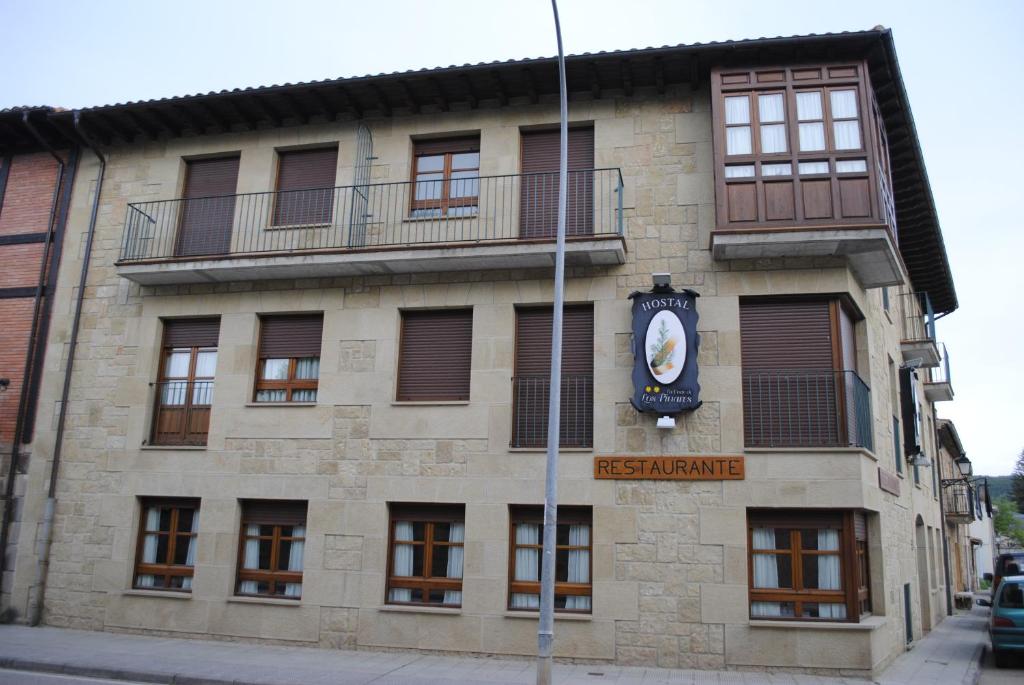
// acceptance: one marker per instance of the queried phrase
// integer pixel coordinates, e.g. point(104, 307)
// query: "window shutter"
point(297, 335)
point(191, 332)
point(274, 512)
point(540, 150)
point(415, 511)
point(911, 413)
point(435, 356)
point(533, 340)
point(440, 146)
point(307, 169)
point(211, 177)
point(539, 183)
point(777, 335)
point(206, 223)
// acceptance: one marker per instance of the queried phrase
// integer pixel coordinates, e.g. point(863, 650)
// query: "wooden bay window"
point(807, 565)
point(166, 548)
point(573, 558)
point(271, 547)
point(288, 369)
point(425, 554)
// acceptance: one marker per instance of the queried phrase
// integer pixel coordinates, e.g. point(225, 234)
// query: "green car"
point(1006, 625)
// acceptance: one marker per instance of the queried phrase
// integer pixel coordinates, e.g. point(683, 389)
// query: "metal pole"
point(545, 629)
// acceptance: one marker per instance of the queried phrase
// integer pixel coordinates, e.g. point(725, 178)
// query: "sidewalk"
point(949, 654)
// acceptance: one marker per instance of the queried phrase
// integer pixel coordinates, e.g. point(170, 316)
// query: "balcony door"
point(184, 391)
point(538, 193)
point(208, 207)
point(800, 387)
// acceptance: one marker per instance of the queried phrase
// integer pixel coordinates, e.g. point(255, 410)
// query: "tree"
point(1005, 523)
point(1018, 482)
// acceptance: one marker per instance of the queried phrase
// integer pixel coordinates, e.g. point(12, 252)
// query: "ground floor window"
point(573, 553)
point(809, 565)
point(166, 550)
point(271, 548)
point(426, 554)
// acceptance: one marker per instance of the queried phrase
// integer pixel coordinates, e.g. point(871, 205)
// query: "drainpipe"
point(942, 521)
point(35, 605)
point(25, 395)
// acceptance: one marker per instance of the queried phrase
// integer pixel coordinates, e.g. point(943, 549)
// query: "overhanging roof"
point(595, 75)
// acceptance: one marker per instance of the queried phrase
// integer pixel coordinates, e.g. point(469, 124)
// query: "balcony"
point(530, 411)
point(806, 408)
point(181, 413)
point(917, 329)
point(938, 388)
point(490, 222)
point(958, 502)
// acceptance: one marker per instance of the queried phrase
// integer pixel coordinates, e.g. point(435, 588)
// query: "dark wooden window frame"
point(448, 148)
point(853, 557)
point(872, 149)
point(567, 516)
point(289, 385)
point(168, 570)
point(429, 515)
point(274, 575)
point(190, 382)
point(328, 212)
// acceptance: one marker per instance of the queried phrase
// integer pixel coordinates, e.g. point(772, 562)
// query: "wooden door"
point(208, 207)
point(538, 193)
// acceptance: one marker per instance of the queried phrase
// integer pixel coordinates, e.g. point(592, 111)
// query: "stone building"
point(307, 392)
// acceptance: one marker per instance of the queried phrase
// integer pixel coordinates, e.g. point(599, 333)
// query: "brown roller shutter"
point(434, 360)
point(274, 512)
point(860, 526)
point(533, 369)
point(539, 189)
point(191, 332)
point(208, 209)
point(441, 146)
point(305, 184)
point(791, 393)
point(287, 336)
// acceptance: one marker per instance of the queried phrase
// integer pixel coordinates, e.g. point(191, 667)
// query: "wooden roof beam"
point(350, 101)
point(595, 81)
point(141, 126)
point(239, 114)
point(173, 127)
point(659, 75)
point(265, 108)
point(440, 97)
point(214, 115)
point(471, 97)
point(414, 104)
point(531, 86)
point(329, 109)
point(499, 88)
point(626, 73)
point(382, 99)
point(294, 108)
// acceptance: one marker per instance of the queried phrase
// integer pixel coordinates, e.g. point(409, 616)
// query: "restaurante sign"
point(669, 468)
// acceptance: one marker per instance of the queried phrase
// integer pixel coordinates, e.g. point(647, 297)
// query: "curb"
point(973, 674)
point(15, 664)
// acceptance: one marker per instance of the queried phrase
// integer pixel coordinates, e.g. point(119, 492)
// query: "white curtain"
point(737, 109)
point(846, 166)
point(771, 111)
point(190, 557)
point(808, 105)
point(812, 136)
point(403, 561)
point(251, 559)
point(303, 395)
point(739, 171)
point(149, 546)
point(527, 564)
point(777, 169)
point(844, 104)
point(773, 138)
point(847, 134)
point(307, 368)
point(579, 565)
point(737, 140)
point(271, 395)
point(766, 572)
point(457, 533)
point(828, 572)
point(295, 553)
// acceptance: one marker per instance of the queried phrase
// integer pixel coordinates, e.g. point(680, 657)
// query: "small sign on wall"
point(670, 468)
point(665, 344)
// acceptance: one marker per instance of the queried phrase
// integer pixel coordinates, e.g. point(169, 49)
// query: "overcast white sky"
point(962, 62)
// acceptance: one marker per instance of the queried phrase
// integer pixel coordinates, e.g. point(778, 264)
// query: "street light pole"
point(545, 628)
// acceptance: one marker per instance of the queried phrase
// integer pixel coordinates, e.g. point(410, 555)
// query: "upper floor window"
point(184, 389)
point(446, 177)
point(166, 554)
point(305, 187)
point(435, 355)
point(289, 358)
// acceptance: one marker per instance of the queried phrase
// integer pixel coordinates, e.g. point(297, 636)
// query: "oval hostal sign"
point(665, 345)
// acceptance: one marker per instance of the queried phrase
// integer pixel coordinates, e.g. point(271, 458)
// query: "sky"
point(962, 63)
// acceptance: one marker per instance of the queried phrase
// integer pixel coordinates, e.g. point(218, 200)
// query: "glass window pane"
point(844, 104)
point(442, 531)
point(773, 139)
point(275, 369)
point(417, 560)
point(429, 186)
point(266, 547)
point(271, 395)
point(808, 105)
point(812, 137)
point(425, 213)
point(174, 393)
point(822, 610)
point(165, 520)
point(466, 160)
point(847, 134)
point(772, 609)
point(177, 363)
point(181, 549)
point(439, 562)
point(430, 163)
point(821, 571)
point(739, 171)
point(161, 549)
point(777, 169)
point(737, 140)
point(307, 368)
point(202, 392)
point(206, 364)
point(464, 210)
point(464, 184)
point(770, 109)
point(813, 167)
point(304, 396)
point(737, 109)
point(185, 517)
point(848, 166)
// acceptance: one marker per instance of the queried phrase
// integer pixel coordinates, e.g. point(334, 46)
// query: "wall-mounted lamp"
point(964, 464)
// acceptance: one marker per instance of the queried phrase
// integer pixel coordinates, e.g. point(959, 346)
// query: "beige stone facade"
point(670, 559)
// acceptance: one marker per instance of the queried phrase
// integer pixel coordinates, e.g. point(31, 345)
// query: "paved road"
point(990, 675)
point(30, 678)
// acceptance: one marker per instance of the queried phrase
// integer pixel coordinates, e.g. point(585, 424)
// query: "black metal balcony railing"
point(379, 215)
point(806, 408)
point(917, 316)
point(958, 501)
point(940, 373)
point(530, 411)
point(181, 413)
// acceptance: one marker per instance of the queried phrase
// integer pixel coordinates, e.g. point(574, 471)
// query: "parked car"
point(1006, 624)
point(1007, 564)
